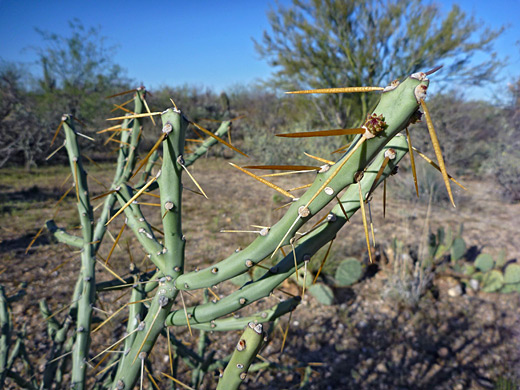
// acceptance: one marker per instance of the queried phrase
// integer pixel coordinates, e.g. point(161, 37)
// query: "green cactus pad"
point(509, 288)
point(501, 258)
point(322, 293)
point(458, 249)
point(349, 272)
point(440, 251)
point(512, 274)
point(478, 276)
point(468, 269)
point(484, 262)
point(492, 281)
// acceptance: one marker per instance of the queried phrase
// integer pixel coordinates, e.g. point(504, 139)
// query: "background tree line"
point(311, 44)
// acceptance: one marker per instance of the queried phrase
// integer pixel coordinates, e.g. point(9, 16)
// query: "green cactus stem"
point(396, 106)
point(62, 236)
point(147, 332)
point(88, 292)
point(268, 315)
point(170, 186)
point(245, 352)
point(306, 247)
point(209, 142)
point(125, 164)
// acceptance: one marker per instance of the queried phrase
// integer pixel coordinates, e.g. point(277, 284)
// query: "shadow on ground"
point(440, 347)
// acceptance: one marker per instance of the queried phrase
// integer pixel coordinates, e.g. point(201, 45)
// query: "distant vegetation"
point(77, 73)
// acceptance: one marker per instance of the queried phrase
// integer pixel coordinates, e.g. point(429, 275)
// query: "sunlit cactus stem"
point(244, 354)
point(208, 143)
point(170, 186)
point(305, 248)
point(87, 273)
point(394, 111)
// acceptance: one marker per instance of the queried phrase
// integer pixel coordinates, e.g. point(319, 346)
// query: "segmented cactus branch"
point(244, 354)
point(397, 106)
point(305, 249)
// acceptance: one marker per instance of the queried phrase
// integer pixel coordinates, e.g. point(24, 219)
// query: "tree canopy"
point(77, 69)
point(335, 43)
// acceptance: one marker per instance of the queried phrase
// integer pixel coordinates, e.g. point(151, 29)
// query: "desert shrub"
point(408, 279)
point(505, 163)
point(466, 129)
point(430, 184)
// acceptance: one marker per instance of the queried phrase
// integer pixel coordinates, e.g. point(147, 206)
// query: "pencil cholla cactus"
point(157, 304)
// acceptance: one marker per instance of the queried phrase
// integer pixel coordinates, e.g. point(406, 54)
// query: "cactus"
point(370, 160)
point(245, 352)
point(458, 249)
point(512, 274)
point(484, 262)
point(492, 281)
point(322, 293)
point(493, 276)
point(443, 243)
point(349, 272)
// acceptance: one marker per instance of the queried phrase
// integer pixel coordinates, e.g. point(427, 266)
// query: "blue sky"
point(206, 43)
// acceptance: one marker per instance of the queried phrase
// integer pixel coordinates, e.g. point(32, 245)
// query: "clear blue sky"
point(206, 42)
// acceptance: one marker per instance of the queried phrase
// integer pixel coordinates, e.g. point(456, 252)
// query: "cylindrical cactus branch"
point(168, 258)
point(85, 282)
point(208, 143)
point(125, 141)
point(145, 176)
point(245, 352)
point(135, 316)
point(170, 186)
point(58, 333)
point(5, 337)
point(129, 141)
point(141, 228)
point(135, 134)
point(87, 273)
point(392, 115)
point(146, 334)
point(119, 178)
point(268, 315)
point(305, 249)
point(62, 236)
